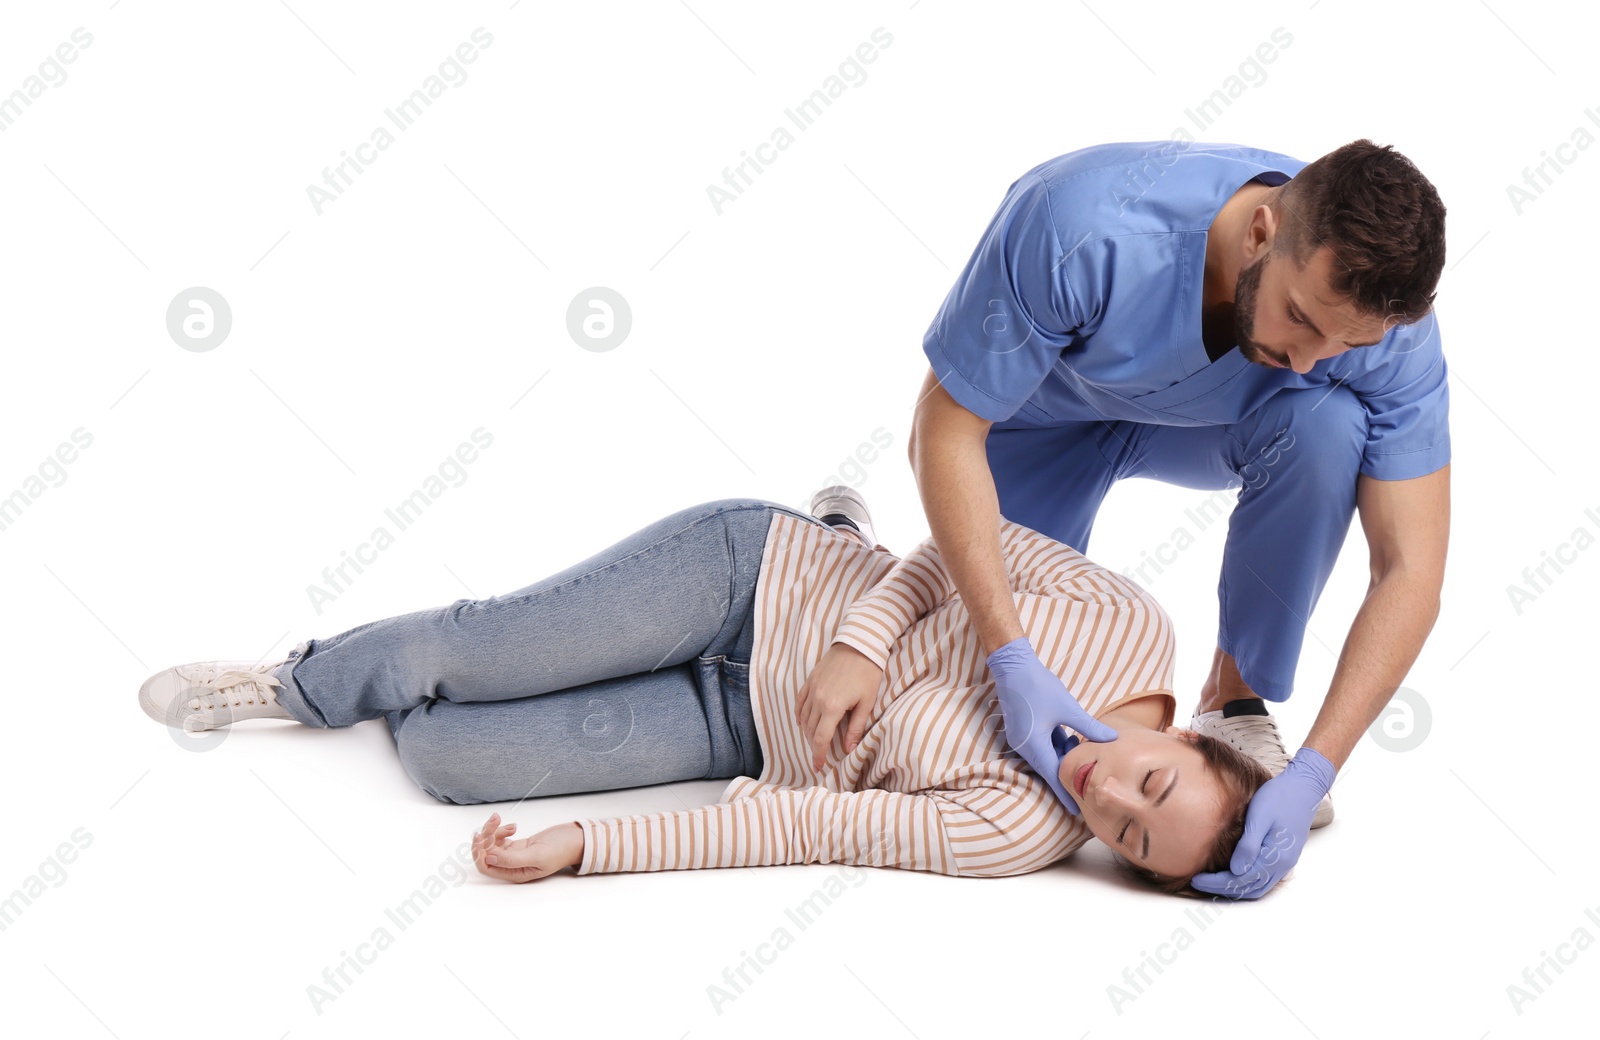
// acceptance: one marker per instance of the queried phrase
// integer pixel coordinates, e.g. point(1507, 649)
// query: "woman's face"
point(1149, 795)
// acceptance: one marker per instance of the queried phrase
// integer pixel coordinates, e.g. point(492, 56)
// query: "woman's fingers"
point(502, 874)
point(493, 826)
point(857, 728)
point(808, 729)
point(488, 826)
point(822, 719)
point(519, 861)
point(497, 857)
point(515, 855)
point(488, 839)
point(483, 836)
point(810, 722)
point(822, 736)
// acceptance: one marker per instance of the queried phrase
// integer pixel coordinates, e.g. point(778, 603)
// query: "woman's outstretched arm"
point(1003, 824)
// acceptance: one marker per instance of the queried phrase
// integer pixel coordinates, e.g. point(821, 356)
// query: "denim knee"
point(1314, 435)
point(428, 765)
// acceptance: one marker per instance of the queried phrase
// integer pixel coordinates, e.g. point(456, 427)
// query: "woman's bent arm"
point(920, 582)
point(913, 587)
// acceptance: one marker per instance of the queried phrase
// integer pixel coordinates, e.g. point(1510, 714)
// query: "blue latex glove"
point(1275, 829)
point(1036, 704)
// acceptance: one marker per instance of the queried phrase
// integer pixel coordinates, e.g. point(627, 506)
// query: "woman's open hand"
point(845, 680)
point(527, 859)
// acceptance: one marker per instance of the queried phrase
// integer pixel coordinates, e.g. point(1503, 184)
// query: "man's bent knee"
point(1316, 431)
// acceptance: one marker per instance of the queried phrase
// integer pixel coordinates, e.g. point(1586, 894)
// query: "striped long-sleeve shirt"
point(932, 785)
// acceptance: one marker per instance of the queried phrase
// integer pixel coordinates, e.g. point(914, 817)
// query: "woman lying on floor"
point(732, 639)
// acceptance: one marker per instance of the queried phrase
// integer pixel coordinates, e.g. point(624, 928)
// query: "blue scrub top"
point(1082, 302)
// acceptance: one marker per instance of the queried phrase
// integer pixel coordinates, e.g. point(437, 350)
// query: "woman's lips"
point(1080, 779)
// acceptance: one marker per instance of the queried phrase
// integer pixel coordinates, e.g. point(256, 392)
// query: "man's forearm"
point(1384, 641)
point(963, 510)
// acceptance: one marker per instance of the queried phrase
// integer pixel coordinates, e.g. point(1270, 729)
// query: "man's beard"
point(1244, 315)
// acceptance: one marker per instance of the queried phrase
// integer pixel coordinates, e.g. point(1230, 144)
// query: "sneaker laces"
point(233, 687)
point(1257, 736)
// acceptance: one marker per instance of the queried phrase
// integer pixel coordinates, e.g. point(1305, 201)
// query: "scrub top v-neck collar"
point(1204, 375)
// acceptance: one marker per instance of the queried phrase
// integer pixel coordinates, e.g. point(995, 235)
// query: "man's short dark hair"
point(1383, 220)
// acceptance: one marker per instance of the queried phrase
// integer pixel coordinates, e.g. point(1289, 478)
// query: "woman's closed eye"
point(1144, 784)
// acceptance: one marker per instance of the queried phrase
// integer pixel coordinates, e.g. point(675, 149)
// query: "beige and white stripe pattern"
point(932, 785)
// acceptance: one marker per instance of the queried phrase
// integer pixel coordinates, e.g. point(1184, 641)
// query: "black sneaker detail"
point(839, 520)
point(1245, 706)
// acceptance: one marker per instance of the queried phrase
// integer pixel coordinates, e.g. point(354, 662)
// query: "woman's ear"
point(1182, 732)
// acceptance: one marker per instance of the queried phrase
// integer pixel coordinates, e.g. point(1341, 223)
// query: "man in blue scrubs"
point(1213, 316)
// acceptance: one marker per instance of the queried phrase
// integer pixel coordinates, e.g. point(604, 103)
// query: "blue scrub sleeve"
point(1010, 313)
point(1403, 382)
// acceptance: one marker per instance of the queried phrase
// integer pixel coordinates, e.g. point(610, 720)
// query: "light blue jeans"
point(628, 669)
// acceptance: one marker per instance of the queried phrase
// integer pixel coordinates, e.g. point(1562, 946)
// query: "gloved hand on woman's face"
point(1035, 703)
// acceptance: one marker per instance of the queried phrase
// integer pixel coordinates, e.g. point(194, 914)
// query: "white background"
point(768, 343)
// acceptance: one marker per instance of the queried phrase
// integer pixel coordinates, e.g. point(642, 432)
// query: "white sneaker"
point(212, 694)
point(1258, 737)
point(844, 504)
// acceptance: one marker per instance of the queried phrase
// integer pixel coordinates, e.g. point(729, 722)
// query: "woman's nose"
point(1113, 793)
